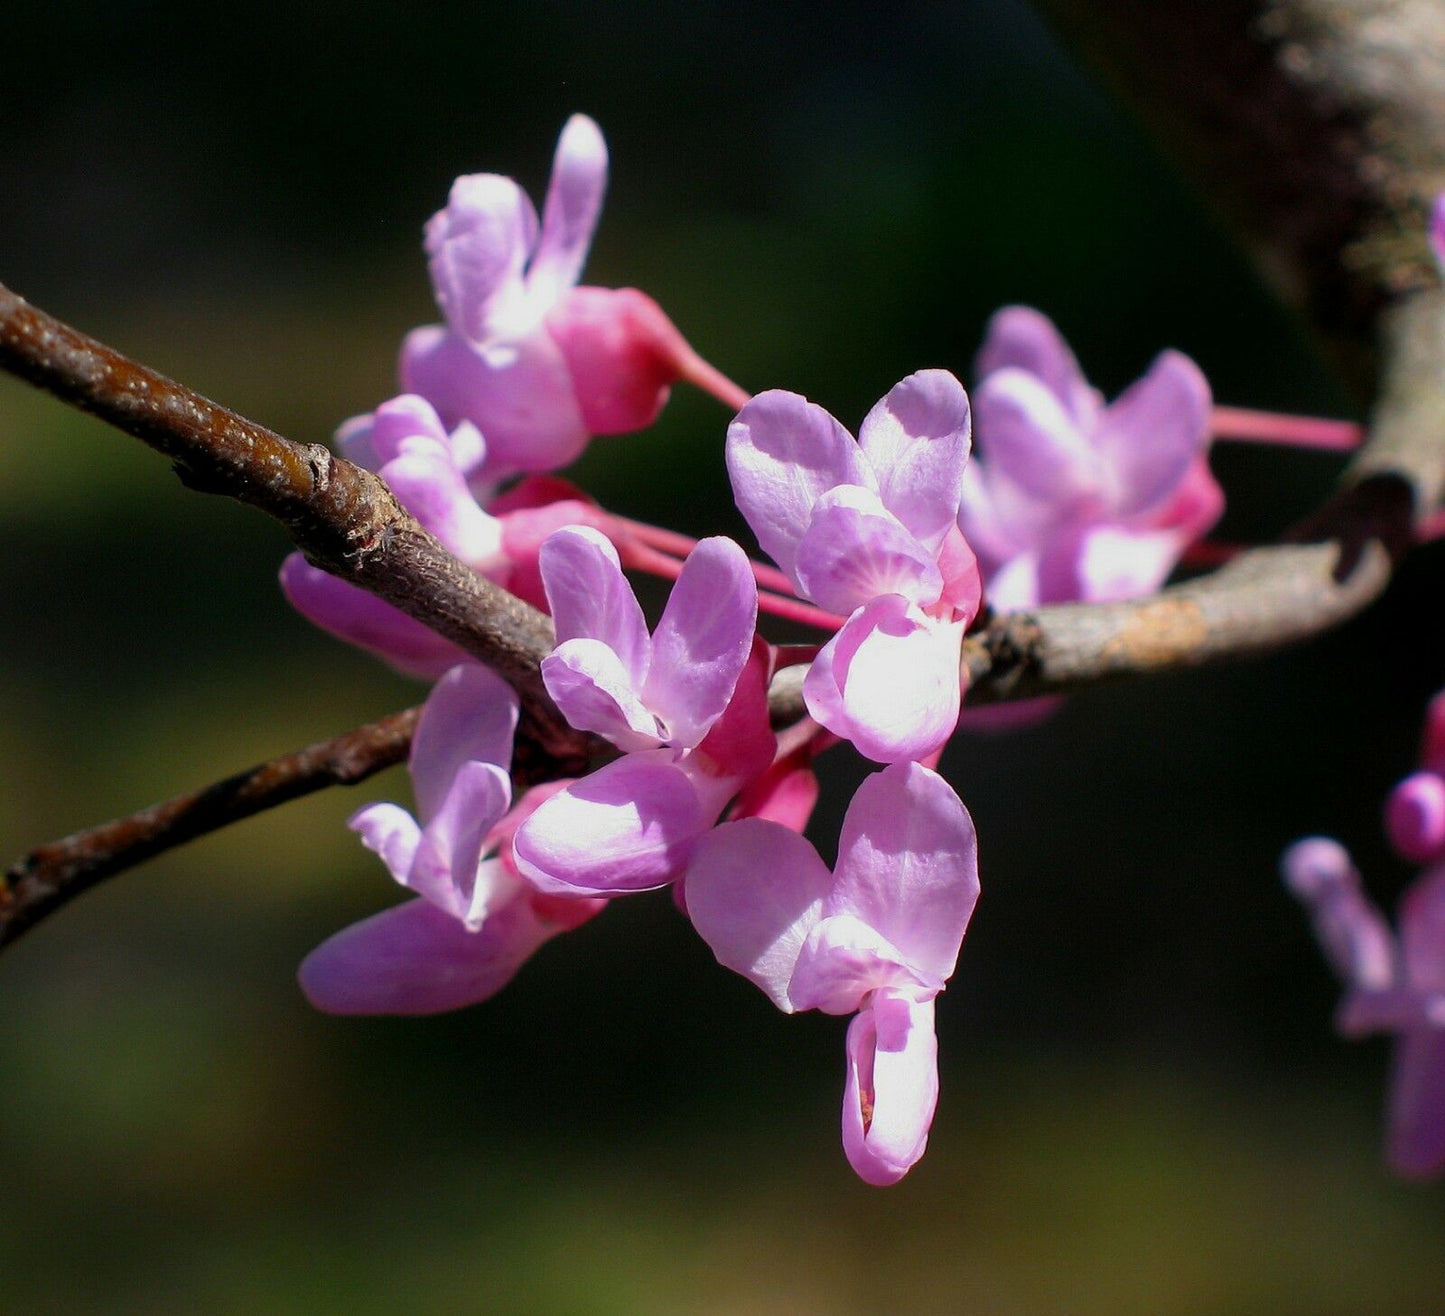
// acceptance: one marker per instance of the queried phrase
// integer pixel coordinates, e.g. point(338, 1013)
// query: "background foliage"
point(1143, 1109)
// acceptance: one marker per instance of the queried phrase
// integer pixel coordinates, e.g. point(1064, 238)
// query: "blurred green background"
point(1143, 1110)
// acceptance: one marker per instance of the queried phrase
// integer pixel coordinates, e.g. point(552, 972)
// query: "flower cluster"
point(1393, 984)
point(873, 538)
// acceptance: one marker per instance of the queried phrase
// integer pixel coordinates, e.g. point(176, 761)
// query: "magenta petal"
point(1027, 437)
point(702, 641)
point(908, 865)
point(891, 1089)
point(786, 793)
point(629, 826)
point(1416, 1140)
point(416, 959)
point(360, 618)
point(1437, 229)
point(855, 549)
point(853, 687)
point(516, 391)
point(1422, 931)
point(741, 742)
point(1022, 337)
point(401, 418)
point(1355, 938)
point(917, 440)
point(590, 598)
point(754, 891)
point(477, 248)
point(783, 454)
point(1154, 432)
point(569, 216)
point(446, 864)
point(434, 491)
point(471, 714)
point(595, 693)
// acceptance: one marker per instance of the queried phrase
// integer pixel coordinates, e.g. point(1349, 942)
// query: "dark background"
point(1144, 1108)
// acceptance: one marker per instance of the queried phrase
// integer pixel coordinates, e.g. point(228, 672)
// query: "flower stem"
point(1242, 425)
point(680, 545)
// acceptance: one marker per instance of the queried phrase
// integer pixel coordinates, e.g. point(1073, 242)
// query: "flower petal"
point(908, 865)
point(917, 440)
point(888, 681)
point(741, 742)
point(629, 826)
point(1355, 938)
point(477, 248)
point(891, 1089)
point(1025, 435)
point(391, 832)
point(396, 420)
point(415, 959)
point(754, 891)
point(1415, 817)
point(590, 599)
point(445, 867)
point(702, 641)
point(855, 549)
point(1422, 931)
point(1152, 434)
point(1416, 1140)
point(360, 618)
point(434, 491)
point(517, 391)
point(595, 693)
point(470, 715)
point(783, 454)
point(569, 215)
point(1021, 337)
point(845, 958)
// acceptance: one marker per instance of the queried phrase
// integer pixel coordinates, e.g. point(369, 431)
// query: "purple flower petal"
point(434, 491)
point(845, 958)
point(391, 832)
point(1355, 938)
point(1026, 339)
point(629, 826)
point(754, 891)
point(702, 641)
point(398, 419)
point(855, 549)
point(783, 454)
point(477, 249)
point(516, 391)
point(1416, 1139)
point(1152, 434)
point(416, 959)
point(1422, 931)
point(917, 440)
point(908, 865)
point(445, 868)
point(595, 693)
point(891, 1089)
point(360, 618)
point(1026, 436)
point(590, 599)
point(1109, 564)
point(569, 216)
point(1437, 229)
point(470, 715)
point(888, 681)
point(1415, 817)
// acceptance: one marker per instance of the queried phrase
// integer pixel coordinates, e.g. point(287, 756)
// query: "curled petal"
point(1416, 1140)
point(754, 891)
point(360, 618)
point(855, 549)
point(629, 826)
point(908, 865)
point(477, 248)
point(845, 958)
point(1152, 434)
point(390, 831)
point(888, 681)
point(891, 1089)
point(783, 454)
point(917, 440)
point(590, 598)
point(595, 693)
point(569, 215)
point(702, 641)
point(1021, 337)
point(417, 959)
point(447, 866)
point(516, 390)
point(470, 715)
point(1355, 938)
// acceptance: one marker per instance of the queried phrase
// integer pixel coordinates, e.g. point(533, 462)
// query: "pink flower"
point(536, 363)
point(1415, 811)
point(686, 704)
point(866, 530)
point(1070, 499)
point(1437, 229)
point(880, 935)
point(474, 922)
point(1394, 986)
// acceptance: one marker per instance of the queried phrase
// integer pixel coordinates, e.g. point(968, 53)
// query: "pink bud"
point(1415, 817)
